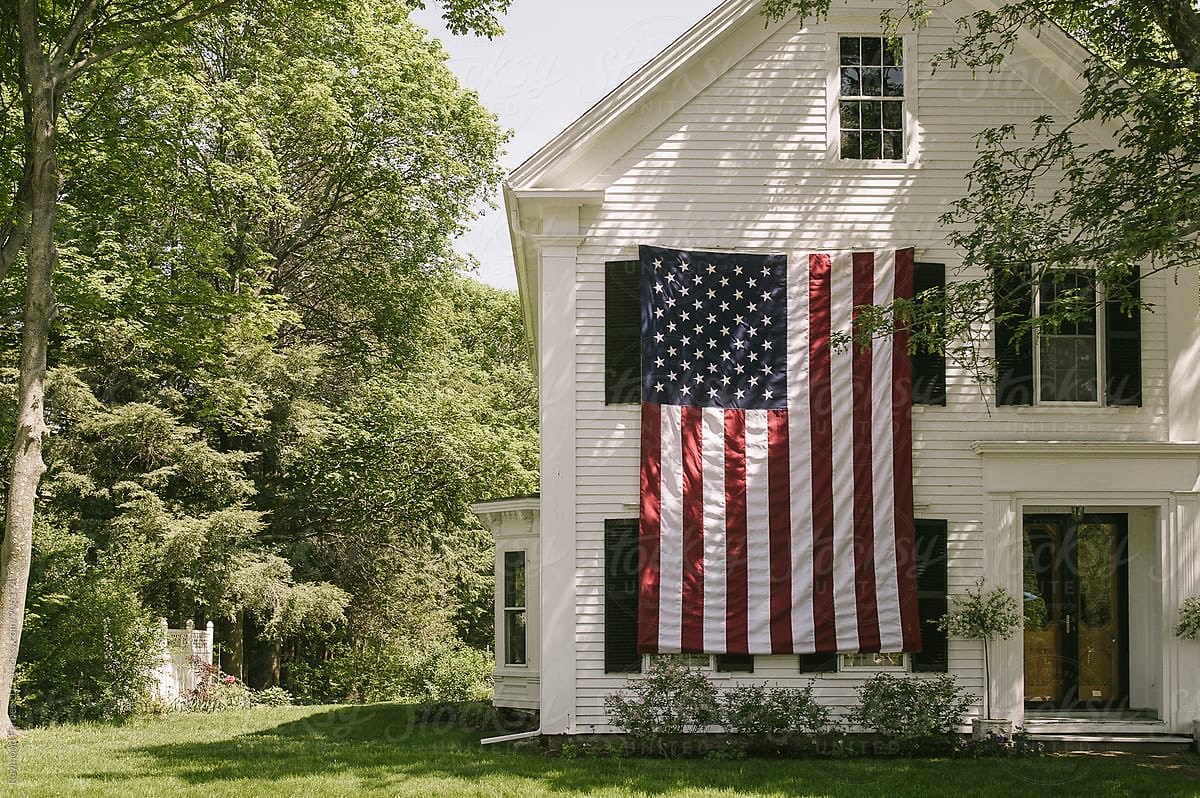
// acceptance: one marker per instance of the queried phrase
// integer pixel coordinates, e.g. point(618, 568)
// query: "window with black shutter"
point(931, 595)
point(929, 368)
point(735, 663)
point(818, 663)
point(1064, 360)
point(621, 596)
point(622, 332)
point(1123, 348)
point(1014, 347)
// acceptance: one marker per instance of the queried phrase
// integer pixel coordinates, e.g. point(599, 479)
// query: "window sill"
point(856, 165)
point(1066, 407)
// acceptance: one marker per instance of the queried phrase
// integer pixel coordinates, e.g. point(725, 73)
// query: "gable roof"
point(726, 35)
point(673, 77)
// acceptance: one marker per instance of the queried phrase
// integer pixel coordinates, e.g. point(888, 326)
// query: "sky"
point(556, 59)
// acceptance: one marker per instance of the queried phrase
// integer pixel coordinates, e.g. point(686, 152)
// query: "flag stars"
point(658, 263)
point(712, 269)
point(737, 270)
point(658, 288)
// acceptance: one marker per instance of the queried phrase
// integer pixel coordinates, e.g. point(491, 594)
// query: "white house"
point(1081, 495)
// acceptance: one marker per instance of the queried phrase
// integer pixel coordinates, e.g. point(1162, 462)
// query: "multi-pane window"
point(1068, 360)
point(874, 662)
point(871, 98)
point(514, 608)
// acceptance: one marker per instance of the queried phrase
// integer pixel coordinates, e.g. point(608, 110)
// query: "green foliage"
point(775, 712)
point(89, 646)
point(668, 699)
point(1188, 626)
point(215, 691)
point(273, 697)
point(910, 712)
point(982, 615)
point(398, 669)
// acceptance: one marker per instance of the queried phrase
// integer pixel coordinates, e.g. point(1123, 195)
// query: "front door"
point(1076, 631)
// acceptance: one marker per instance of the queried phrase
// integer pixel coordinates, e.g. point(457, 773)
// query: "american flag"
point(776, 469)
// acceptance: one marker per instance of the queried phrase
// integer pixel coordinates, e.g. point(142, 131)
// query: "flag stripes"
point(767, 529)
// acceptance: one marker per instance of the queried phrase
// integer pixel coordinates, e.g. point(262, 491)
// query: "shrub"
point(789, 712)
point(669, 699)
point(396, 669)
point(273, 697)
point(89, 647)
point(1188, 627)
point(911, 712)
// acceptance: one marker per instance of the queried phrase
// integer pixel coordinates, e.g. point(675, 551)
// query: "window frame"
point(514, 609)
point(1099, 338)
point(833, 92)
point(844, 666)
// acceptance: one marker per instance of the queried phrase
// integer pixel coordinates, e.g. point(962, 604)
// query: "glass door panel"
point(1074, 600)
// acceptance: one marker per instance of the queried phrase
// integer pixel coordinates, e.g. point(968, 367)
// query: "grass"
point(381, 750)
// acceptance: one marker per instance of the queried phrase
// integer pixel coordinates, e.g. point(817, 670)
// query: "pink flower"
point(230, 679)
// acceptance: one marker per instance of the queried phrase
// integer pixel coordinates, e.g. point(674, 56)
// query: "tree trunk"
point(233, 652)
point(27, 463)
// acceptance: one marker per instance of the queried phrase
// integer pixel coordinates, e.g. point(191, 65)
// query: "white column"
point(1183, 356)
point(556, 355)
point(1002, 567)
point(1181, 578)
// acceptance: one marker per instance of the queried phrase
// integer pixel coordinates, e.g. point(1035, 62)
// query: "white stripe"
point(670, 547)
point(887, 589)
point(804, 635)
point(713, 447)
point(842, 407)
point(758, 538)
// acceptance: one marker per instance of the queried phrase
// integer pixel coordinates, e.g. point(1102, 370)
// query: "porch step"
point(1138, 743)
point(1078, 726)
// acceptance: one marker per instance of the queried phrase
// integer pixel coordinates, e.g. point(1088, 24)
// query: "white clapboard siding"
point(742, 166)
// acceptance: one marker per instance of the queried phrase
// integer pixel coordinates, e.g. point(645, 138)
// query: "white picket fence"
point(176, 675)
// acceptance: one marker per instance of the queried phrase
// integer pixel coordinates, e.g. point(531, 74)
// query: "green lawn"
point(381, 751)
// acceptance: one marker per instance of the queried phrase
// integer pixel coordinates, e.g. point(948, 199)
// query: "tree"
point(48, 49)
point(1047, 201)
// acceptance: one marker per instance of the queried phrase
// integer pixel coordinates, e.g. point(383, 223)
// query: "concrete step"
point(1140, 743)
point(1084, 726)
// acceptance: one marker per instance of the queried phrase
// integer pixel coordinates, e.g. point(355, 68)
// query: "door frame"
point(1069, 525)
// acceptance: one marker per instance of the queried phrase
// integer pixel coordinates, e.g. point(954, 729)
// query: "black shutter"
point(622, 332)
point(1014, 350)
point(1123, 349)
point(931, 596)
point(929, 368)
point(621, 596)
point(818, 663)
point(735, 663)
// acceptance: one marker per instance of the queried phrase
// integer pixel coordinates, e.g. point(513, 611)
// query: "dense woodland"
point(272, 393)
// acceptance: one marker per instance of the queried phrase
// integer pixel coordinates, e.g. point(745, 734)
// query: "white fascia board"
point(672, 78)
point(526, 282)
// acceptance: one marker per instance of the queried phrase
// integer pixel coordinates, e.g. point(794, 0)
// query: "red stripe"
point(821, 423)
point(906, 563)
point(779, 507)
point(864, 494)
point(693, 531)
point(648, 565)
point(736, 598)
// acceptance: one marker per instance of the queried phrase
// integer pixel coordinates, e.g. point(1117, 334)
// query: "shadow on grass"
point(382, 746)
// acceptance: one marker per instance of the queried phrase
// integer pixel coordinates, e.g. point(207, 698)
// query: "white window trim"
point(1101, 364)
point(833, 90)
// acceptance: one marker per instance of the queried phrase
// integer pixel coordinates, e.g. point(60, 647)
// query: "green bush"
point(396, 669)
point(775, 712)
point(273, 697)
point(910, 712)
point(89, 647)
point(669, 699)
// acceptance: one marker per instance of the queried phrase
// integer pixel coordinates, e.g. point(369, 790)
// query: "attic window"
point(871, 98)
